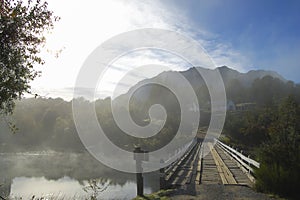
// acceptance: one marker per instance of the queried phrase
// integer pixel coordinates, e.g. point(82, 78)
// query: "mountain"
point(246, 78)
point(48, 123)
point(259, 87)
point(234, 82)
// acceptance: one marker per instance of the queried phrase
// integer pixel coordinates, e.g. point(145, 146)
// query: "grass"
point(160, 195)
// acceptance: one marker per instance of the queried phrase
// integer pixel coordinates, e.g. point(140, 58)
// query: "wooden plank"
point(225, 174)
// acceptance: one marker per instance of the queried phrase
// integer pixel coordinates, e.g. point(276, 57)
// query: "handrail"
point(242, 159)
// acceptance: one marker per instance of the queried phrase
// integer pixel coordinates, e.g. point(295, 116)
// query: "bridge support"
point(162, 180)
point(139, 156)
point(140, 184)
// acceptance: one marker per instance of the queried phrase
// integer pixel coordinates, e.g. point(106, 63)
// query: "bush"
point(279, 172)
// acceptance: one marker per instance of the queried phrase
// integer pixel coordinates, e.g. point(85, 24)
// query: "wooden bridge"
point(222, 165)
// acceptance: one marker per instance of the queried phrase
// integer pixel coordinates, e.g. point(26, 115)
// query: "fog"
point(54, 166)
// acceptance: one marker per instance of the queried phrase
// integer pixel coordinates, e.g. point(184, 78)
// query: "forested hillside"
point(45, 124)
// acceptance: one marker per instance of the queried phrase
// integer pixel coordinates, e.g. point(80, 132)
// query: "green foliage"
point(139, 110)
point(269, 91)
point(236, 91)
point(48, 124)
point(280, 156)
point(265, 92)
point(21, 35)
point(42, 124)
point(273, 134)
point(247, 129)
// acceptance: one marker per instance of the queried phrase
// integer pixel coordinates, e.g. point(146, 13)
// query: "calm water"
point(65, 176)
point(67, 187)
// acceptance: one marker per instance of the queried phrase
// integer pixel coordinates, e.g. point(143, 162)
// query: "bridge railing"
point(245, 161)
point(168, 172)
point(187, 149)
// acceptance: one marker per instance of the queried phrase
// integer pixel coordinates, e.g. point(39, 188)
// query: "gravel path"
point(218, 192)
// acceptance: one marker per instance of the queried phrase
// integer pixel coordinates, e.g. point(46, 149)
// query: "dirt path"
point(218, 192)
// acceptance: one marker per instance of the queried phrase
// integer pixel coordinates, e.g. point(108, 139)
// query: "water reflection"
point(40, 186)
point(68, 188)
point(64, 175)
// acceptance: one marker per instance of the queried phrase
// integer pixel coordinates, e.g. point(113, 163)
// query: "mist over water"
point(46, 155)
point(65, 175)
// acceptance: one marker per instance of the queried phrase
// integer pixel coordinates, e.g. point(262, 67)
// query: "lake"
point(54, 175)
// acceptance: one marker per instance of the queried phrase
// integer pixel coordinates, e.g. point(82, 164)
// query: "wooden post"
point(139, 156)
point(162, 181)
point(140, 184)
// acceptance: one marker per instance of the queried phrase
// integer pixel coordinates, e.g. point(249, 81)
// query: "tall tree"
point(22, 27)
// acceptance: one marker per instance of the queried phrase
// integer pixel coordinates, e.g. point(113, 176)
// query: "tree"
point(22, 26)
point(236, 91)
point(280, 156)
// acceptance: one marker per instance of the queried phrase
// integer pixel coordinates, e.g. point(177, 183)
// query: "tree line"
point(270, 133)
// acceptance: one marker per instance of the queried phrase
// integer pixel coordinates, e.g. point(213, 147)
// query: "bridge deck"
point(238, 174)
point(215, 168)
point(209, 173)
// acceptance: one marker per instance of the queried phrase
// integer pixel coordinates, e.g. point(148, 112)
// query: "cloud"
point(131, 66)
point(84, 26)
point(224, 54)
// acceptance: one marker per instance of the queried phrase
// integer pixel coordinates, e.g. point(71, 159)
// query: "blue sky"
point(242, 34)
point(265, 32)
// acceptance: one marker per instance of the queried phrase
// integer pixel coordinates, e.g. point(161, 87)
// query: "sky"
point(243, 35)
